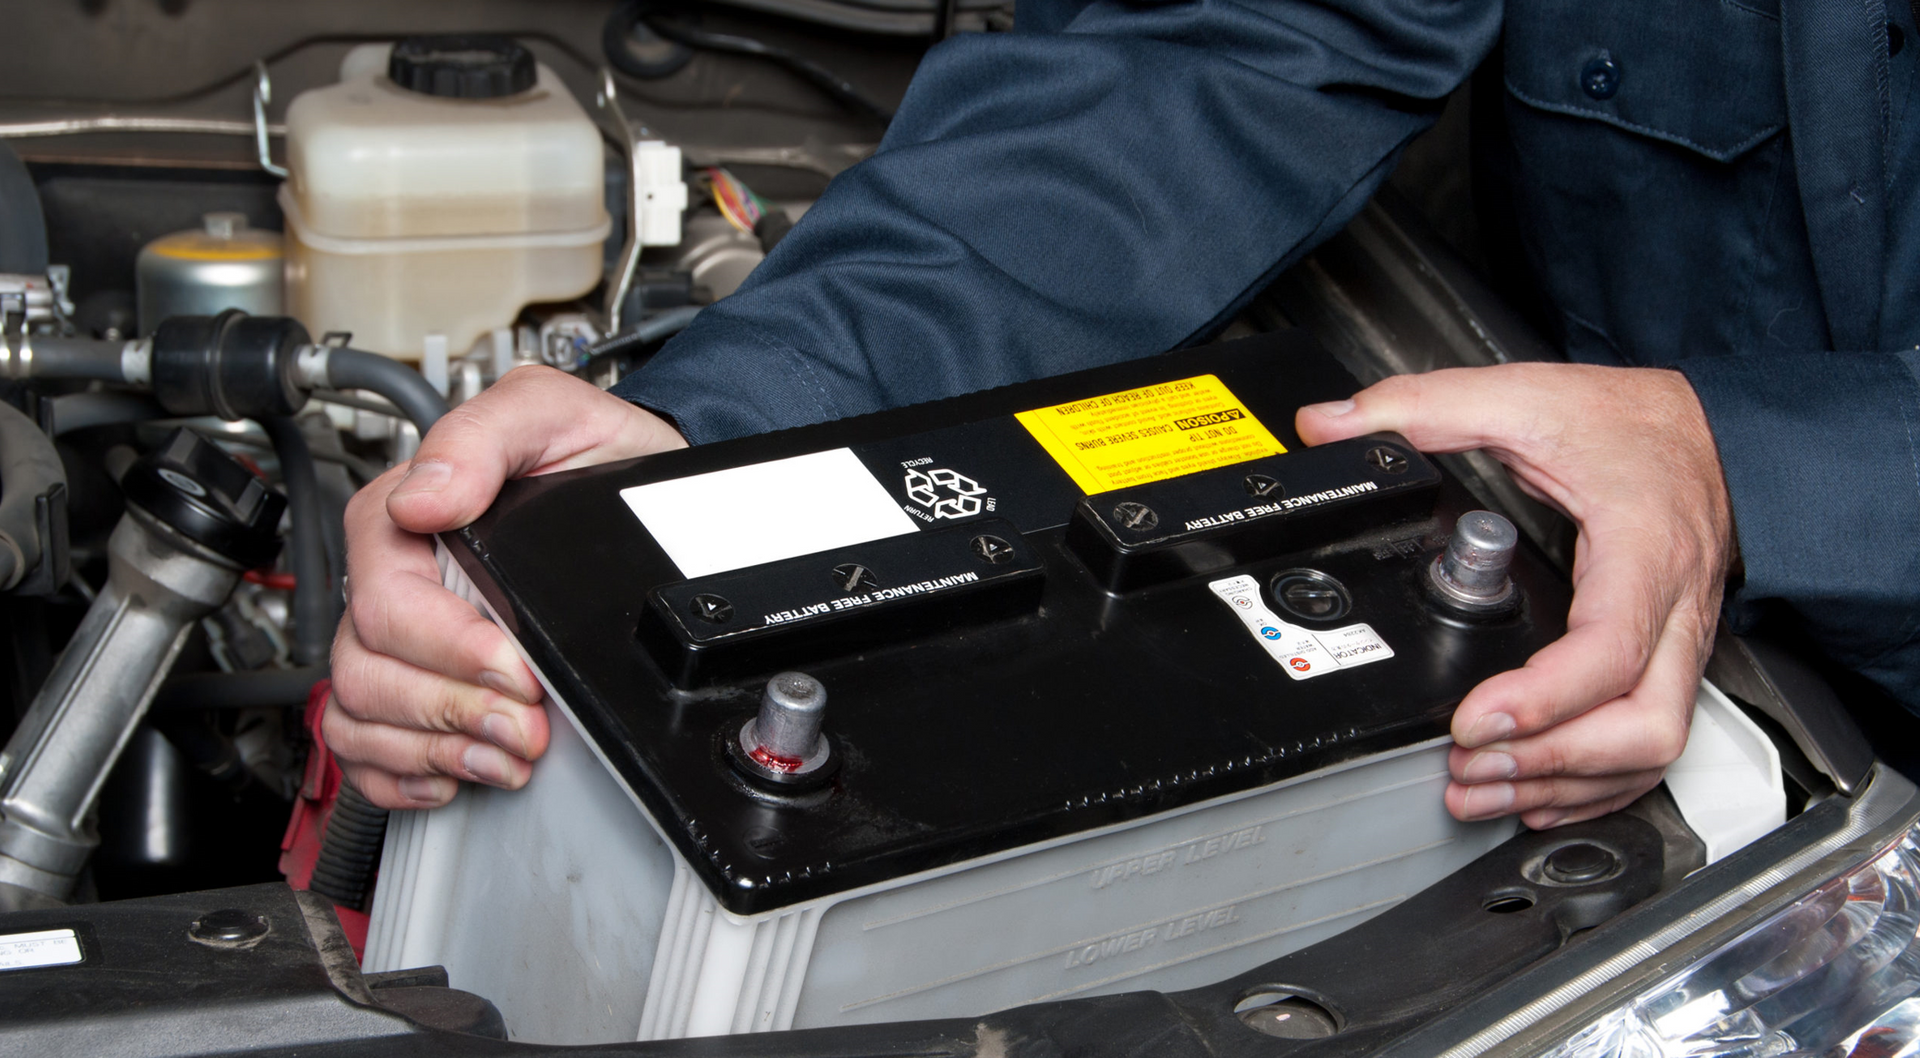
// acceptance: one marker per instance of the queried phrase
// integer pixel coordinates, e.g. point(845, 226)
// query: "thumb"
point(1442, 411)
point(532, 420)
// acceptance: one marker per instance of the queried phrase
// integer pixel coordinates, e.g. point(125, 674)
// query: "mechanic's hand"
point(425, 690)
point(1591, 721)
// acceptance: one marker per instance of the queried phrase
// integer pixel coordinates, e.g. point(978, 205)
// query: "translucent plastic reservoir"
point(411, 215)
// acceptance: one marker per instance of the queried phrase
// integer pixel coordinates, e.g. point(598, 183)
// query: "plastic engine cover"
point(1127, 688)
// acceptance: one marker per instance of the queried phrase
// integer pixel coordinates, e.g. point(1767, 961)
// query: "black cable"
point(313, 585)
point(619, 26)
point(81, 411)
point(663, 324)
point(349, 850)
point(413, 395)
point(253, 689)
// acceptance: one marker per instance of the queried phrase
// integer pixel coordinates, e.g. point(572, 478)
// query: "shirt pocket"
point(1703, 74)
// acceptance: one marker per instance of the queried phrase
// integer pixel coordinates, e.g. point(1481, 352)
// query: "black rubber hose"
point(307, 544)
point(71, 358)
point(258, 688)
point(349, 850)
point(413, 395)
point(29, 466)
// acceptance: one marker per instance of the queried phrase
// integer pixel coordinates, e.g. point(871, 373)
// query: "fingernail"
point(1332, 409)
point(430, 476)
point(1490, 728)
point(503, 732)
point(1549, 821)
point(1488, 800)
point(488, 764)
point(427, 791)
point(1484, 767)
point(501, 685)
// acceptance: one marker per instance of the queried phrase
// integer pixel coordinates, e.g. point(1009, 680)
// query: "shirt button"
point(1600, 78)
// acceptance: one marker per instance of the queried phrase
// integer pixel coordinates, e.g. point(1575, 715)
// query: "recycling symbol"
point(947, 493)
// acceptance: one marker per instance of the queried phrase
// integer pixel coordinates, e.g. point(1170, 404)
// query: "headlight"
point(1834, 973)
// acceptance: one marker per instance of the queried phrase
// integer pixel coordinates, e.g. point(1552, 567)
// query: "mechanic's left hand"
point(1592, 720)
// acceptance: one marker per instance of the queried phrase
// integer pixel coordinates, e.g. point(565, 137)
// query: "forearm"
point(1046, 202)
point(1822, 458)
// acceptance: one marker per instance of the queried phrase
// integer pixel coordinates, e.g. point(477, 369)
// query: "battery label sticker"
point(1302, 653)
point(785, 508)
point(50, 947)
point(1149, 434)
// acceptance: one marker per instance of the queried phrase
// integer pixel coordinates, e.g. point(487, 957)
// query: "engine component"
point(1069, 727)
point(228, 365)
point(413, 215)
point(23, 227)
point(232, 365)
point(33, 507)
point(222, 265)
point(619, 43)
point(196, 519)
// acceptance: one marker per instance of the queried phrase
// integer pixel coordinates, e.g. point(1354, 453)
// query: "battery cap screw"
point(1388, 460)
point(1135, 516)
point(1263, 486)
point(1471, 574)
point(712, 608)
point(991, 549)
point(852, 576)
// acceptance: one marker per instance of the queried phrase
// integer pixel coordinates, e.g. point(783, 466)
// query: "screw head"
point(1291, 1018)
point(1388, 460)
point(1579, 863)
point(1135, 516)
point(991, 549)
point(228, 928)
point(711, 608)
point(852, 576)
point(1263, 485)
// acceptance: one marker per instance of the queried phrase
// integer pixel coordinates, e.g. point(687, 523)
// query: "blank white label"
point(743, 516)
point(52, 947)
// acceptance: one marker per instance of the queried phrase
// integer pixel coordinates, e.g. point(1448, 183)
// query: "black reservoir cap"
point(209, 497)
point(462, 66)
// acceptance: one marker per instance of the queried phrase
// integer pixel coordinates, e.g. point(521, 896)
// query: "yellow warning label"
point(1149, 434)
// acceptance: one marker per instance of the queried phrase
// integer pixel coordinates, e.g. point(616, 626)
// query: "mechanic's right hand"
point(425, 690)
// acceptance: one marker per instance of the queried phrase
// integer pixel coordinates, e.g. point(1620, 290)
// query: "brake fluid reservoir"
point(437, 193)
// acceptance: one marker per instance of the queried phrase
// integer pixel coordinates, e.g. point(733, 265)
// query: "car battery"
point(1090, 684)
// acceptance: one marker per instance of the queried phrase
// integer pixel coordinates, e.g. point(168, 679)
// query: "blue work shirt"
point(1723, 186)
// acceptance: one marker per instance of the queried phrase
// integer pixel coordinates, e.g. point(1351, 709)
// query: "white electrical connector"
point(663, 194)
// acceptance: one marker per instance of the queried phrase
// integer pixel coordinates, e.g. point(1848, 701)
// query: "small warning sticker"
point(51, 947)
point(1304, 653)
point(1149, 434)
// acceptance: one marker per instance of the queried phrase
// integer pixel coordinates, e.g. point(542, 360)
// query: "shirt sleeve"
point(1109, 181)
point(1822, 458)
